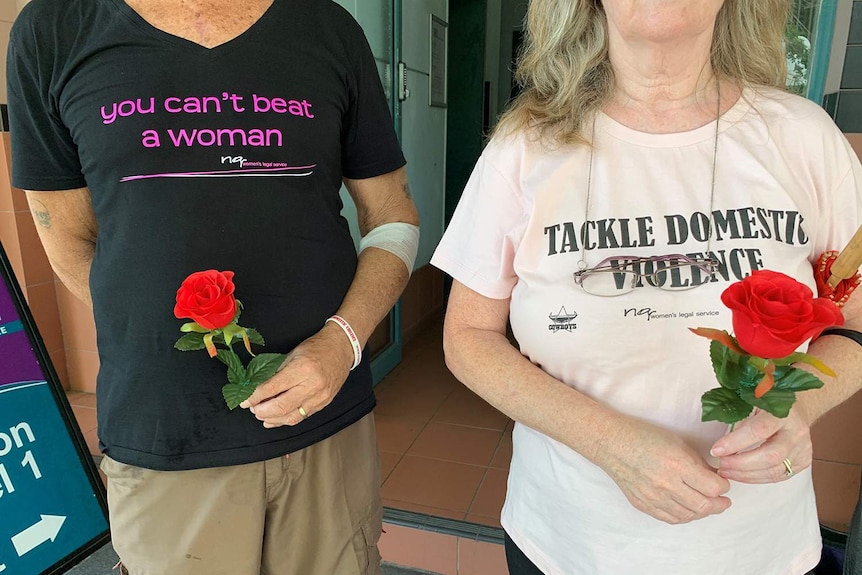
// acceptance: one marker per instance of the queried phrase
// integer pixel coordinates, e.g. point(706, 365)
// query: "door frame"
point(390, 356)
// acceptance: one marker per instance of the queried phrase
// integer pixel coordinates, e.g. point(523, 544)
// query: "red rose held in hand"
point(207, 298)
point(773, 314)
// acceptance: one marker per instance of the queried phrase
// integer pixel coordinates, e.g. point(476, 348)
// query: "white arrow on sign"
point(47, 528)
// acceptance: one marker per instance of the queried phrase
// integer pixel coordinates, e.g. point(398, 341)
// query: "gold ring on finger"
point(304, 415)
point(788, 470)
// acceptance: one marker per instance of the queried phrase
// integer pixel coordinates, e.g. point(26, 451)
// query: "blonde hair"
point(566, 75)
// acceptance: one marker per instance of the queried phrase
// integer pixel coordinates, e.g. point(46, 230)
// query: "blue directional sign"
point(52, 504)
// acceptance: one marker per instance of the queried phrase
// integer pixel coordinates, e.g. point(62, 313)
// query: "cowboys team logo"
point(562, 321)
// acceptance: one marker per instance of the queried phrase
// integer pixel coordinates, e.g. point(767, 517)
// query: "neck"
point(663, 86)
point(657, 81)
point(208, 23)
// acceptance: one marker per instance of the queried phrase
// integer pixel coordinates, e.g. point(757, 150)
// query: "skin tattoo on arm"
point(42, 215)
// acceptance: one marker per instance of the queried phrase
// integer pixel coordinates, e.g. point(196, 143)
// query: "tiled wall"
point(8, 11)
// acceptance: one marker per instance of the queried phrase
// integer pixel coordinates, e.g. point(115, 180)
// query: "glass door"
point(808, 39)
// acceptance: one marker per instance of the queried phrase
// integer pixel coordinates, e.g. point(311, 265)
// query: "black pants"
point(518, 563)
point(853, 557)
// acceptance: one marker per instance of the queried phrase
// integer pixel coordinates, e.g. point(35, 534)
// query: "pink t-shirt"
point(787, 188)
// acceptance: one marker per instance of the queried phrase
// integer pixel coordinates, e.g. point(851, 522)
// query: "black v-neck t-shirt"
point(228, 158)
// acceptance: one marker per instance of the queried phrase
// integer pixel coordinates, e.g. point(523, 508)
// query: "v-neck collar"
point(170, 39)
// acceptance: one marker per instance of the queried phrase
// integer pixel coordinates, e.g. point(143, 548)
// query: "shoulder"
point(333, 17)
point(796, 134)
point(48, 23)
point(508, 150)
point(798, 127)
point(780, 108)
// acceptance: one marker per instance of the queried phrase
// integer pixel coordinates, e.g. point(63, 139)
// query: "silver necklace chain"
point(582, 263)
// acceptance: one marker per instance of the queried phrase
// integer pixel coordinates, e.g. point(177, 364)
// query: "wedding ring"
point(304, 415)
point(788, 469)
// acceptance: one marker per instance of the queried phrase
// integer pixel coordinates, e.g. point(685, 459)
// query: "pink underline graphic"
point(228, 173)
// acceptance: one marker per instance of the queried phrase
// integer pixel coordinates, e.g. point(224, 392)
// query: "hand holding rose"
point(773, 315)
point(753, 452)
point(311, 376)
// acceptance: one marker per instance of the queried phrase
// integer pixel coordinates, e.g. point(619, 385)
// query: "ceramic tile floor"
point(444, 451)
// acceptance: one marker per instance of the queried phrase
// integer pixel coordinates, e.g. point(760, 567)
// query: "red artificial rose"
point(773, 314)
point(207, 298)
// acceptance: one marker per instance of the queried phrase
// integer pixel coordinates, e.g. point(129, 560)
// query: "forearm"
point(844, 357)
point(380, 278)
point(489, 365)
point(380, 275)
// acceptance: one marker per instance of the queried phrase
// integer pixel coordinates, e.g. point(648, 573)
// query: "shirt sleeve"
point(369, 145)
point(44, 155)
point(841, 208)
point(480, 243)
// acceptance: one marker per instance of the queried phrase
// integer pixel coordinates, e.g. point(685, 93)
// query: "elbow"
point(451, 347)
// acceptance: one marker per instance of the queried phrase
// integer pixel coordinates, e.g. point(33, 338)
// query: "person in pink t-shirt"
point(646, 129)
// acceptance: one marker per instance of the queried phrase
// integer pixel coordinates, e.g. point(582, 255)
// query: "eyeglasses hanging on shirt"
point(619, 275)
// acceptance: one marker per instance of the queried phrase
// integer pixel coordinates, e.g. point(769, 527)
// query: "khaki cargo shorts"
point(314, 512)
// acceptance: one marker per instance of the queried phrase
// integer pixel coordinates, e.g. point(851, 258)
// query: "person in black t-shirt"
point(157, 138)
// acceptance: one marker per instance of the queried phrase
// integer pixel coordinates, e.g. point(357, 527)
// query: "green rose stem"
point(242, 380)
point(749, 382)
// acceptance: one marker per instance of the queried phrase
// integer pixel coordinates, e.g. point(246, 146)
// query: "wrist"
point(348, 334)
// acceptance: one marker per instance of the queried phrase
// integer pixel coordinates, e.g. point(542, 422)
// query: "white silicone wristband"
point(351, 335)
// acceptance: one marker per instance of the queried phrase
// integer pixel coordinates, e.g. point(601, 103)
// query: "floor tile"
point(414, 402)
point(456, 443)
point(464, 407)
point(388, 461)
point(397, 434)
point(503, 456)
point(491, 494)
point(421, 549)
point(433, 483)
point(480, 558)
